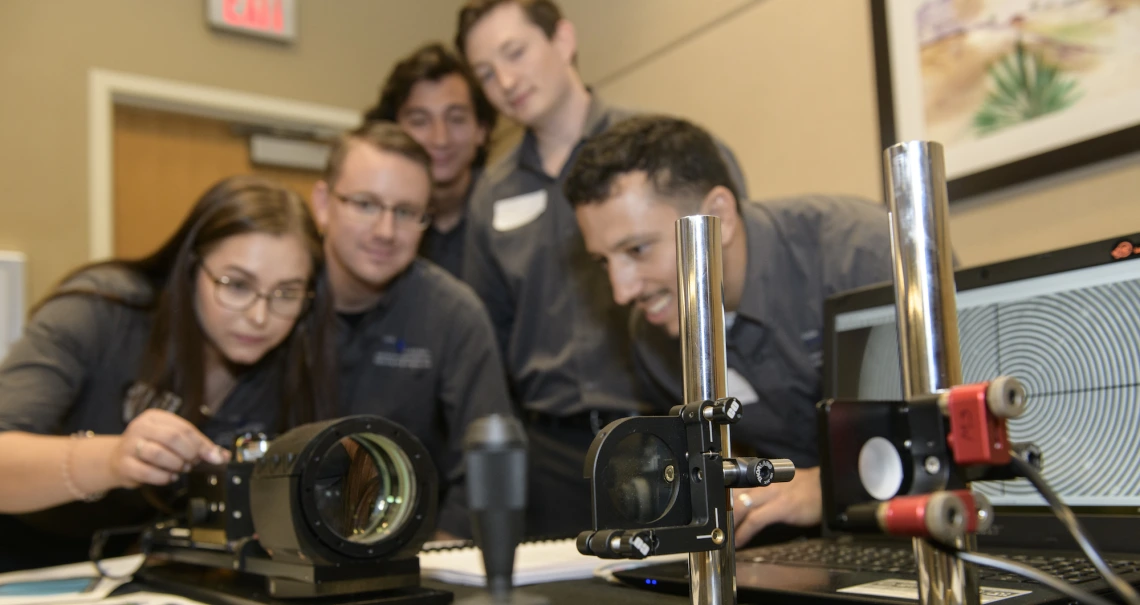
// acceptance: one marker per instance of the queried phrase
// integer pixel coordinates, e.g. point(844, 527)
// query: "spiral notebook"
point(535, 563)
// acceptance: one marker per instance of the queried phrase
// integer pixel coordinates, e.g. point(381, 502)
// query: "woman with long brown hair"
point(133, 371)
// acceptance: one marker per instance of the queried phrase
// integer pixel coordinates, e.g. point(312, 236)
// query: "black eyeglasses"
point(237, 294)
point(370, 209)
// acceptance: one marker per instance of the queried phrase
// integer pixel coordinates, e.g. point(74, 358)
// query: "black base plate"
point(224, 587)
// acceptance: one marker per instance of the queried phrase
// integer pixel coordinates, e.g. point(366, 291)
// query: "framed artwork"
point(1014, 90)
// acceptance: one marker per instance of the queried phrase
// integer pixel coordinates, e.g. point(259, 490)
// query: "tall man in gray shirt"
point(565, 347)
point(414, 345)
point(782, 258)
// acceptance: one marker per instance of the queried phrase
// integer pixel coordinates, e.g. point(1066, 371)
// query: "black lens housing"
point(283, 502)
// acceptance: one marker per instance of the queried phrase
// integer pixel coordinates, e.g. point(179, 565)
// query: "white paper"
point(908, 589)
point(535, 563)
point(149, 598)
point(118, 566)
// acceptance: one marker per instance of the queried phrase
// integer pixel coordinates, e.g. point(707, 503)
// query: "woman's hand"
point(157, 446)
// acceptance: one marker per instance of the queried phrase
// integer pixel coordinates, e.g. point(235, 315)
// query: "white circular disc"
point(880, 468)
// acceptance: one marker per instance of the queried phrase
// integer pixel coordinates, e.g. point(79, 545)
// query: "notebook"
point(535, 563)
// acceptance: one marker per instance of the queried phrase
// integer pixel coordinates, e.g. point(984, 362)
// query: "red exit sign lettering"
point(275, 19)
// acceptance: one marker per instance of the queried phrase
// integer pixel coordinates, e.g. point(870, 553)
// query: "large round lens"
point(642, 478)
point(365, 488)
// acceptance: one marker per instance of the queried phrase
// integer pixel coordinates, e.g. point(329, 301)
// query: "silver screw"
point(670, 473)
point(932, 465)
point(237, 514)
point(237, 480)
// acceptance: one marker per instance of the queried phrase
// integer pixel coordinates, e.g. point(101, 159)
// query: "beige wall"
point(343, 50)
point(790, 86)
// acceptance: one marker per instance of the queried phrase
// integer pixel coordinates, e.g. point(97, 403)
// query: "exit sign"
point(276, 19)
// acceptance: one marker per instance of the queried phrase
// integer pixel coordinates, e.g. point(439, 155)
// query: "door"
point(164, 161)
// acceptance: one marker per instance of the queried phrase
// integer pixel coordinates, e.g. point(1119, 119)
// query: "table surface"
point(593, 591)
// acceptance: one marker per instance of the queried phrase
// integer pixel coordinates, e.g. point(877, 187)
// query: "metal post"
point(927, 322)
point(701, 308)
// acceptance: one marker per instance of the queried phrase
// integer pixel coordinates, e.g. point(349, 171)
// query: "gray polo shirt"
point(565, 344)
point(71, 370)
point(446, 249)
point(425, 358)
point(800, 251)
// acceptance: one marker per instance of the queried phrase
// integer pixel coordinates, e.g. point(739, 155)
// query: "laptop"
point(1067, 324)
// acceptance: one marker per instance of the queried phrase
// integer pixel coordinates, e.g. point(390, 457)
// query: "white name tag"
point(739, 387)
point(514, 212)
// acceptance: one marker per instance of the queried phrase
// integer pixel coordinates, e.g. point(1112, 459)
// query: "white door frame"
point(106, 88)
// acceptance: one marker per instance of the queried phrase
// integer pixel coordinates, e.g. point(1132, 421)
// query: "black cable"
point(99, 541)
point(1069, 519)
point(1027, 571)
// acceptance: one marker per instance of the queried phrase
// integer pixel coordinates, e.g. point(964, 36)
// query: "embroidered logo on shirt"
point(514, 212)
point(813, 342)
point(397, 354)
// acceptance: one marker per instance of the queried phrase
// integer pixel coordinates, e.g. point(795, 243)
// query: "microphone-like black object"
point(495, 455)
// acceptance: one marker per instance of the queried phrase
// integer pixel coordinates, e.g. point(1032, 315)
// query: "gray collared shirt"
point(425, 358)
point(445, 248)
point(565, 344)
point(800, 251)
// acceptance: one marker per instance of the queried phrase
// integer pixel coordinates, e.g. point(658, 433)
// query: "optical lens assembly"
point(342, 491)
point(641, 479)
point(365, 489)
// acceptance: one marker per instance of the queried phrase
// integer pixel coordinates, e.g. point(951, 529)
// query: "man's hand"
point(797, 502)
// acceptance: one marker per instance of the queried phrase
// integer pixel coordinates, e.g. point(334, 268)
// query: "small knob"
point(757, 472)
point(726, 410)
point(1005, 397)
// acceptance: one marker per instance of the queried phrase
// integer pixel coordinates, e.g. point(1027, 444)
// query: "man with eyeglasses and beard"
point(414, 345)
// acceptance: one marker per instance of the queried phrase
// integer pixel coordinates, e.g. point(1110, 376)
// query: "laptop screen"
point(1067, 324)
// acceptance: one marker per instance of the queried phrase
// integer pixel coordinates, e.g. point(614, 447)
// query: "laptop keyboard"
point(900, 559)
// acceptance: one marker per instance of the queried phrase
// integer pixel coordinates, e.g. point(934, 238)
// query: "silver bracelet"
point(77, 493)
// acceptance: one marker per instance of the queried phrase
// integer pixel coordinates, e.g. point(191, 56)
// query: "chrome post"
point(701, 309)
point(927, 323)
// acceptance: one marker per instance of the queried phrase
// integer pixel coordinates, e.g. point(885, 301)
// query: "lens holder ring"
point(671, 432)
point(298, 454)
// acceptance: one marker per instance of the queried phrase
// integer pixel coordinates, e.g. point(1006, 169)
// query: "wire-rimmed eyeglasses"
point(371, 209)
point(237, 294)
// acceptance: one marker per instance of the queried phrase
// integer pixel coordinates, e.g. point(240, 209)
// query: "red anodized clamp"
point(978, 434)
